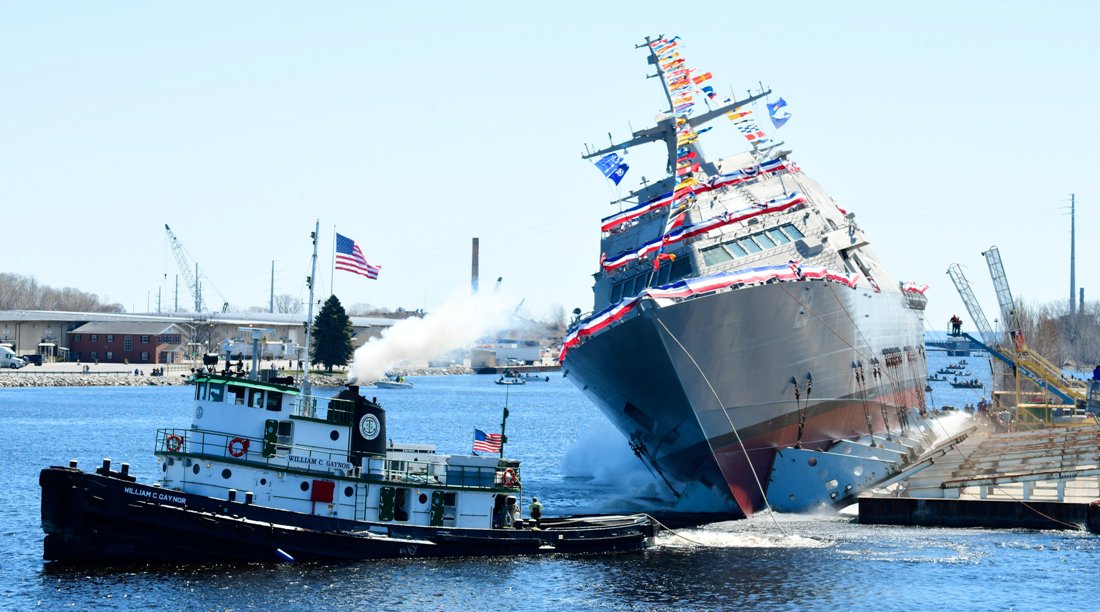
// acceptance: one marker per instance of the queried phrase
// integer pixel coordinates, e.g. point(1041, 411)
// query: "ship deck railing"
point(429, 470)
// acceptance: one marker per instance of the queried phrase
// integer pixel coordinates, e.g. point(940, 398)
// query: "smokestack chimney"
point(1081, 305)
point(473, 268)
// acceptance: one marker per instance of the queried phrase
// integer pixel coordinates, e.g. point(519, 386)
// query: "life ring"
point(509, 477)
point(238, 447)
point(173, 443)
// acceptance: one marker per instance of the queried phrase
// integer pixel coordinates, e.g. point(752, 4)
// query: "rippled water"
point(575, 463)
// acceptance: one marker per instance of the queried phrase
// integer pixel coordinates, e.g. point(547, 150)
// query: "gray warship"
point(745, 337)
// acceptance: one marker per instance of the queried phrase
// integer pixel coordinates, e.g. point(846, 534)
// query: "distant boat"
point(510, 381)
point(397, 382)
point(967, 384)
point(529, 377)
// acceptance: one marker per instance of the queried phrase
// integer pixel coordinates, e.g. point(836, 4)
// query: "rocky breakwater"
point(80, 379)
point(52, 378)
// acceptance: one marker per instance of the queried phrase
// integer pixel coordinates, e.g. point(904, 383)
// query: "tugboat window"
point(237, 393)
point(348, 491)
point(285, 435)
point(195, 468)
point(255, 398)
point(334, 435)
point(226, 473)
point(275, 402)
point(304, 486)
point(217, 392)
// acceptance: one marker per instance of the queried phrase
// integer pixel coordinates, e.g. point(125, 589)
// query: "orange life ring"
point(509, 477)
point(173, 443)
point(238, 447)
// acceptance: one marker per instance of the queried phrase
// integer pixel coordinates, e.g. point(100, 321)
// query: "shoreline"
point(13, 379)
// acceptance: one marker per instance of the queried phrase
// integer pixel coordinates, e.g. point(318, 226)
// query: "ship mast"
point(665, 129)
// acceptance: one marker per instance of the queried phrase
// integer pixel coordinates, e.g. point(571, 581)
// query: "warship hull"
point(709, 389)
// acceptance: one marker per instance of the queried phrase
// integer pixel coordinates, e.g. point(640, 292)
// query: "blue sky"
point(946, 127)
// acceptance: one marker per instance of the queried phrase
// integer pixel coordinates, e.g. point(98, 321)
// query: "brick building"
point(127, 342)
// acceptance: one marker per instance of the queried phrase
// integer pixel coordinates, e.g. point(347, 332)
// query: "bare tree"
point(286, 303)
point(19, 292)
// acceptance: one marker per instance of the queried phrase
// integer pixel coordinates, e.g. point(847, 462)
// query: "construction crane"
point(1015, 353)
point(192, 279)
point(1009, 316)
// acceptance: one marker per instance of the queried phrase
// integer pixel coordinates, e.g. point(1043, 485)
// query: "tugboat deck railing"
point(206, 444)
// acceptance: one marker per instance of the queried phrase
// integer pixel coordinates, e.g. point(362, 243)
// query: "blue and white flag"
point(613, 167)
point(778, 119)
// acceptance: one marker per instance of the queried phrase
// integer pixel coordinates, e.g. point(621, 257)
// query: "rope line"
point(733, 428)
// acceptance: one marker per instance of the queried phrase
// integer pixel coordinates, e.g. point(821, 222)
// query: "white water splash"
point(457, 323)
point(746, 533)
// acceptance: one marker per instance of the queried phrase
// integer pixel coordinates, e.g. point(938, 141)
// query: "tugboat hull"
point(106, 517)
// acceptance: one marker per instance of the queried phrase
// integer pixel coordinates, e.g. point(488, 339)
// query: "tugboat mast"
point(309, 320)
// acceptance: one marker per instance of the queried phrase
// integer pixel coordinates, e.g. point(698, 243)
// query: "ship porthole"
point(812, 461)
point(423, 499)
point(263, 482)
point(334, 435)
point(305, 486)
point(195, 468)
point(164, 467)
point(226, 473)
point(348, 491)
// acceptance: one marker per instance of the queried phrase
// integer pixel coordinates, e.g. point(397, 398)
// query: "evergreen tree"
point(332, 344)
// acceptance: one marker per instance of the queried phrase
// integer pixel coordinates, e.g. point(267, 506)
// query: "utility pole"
point(1072, 254)
point(271, 308)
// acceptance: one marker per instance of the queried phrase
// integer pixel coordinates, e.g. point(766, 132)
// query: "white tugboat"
point(270, 471)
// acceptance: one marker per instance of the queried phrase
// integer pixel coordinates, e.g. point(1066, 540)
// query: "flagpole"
point(503, 421)
point(332, 272)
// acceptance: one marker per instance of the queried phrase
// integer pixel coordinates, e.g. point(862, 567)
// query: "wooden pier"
point(1042, 479)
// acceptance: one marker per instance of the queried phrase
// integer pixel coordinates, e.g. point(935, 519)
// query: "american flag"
point(349, 258)
point(487, 443)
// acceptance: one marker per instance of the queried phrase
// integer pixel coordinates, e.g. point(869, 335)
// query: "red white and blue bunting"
point(689, 231)
point(722, 180)
point(669, 294)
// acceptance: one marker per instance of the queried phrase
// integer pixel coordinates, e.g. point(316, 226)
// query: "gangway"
point(1039, 371)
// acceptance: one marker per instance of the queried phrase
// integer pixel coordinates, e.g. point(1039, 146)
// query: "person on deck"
point(956, 325)
point(536, 512)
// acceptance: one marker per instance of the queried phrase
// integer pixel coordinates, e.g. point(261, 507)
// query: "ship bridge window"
point(201, 390)
point(777, 236)
point(673, 272)
point(715, 255)
point(748, 244)
point(736, 250)
point(217, 392)
point(255, 398)
point(274, 402)
point(616, 292)
point(764, 241)
point(793, 231)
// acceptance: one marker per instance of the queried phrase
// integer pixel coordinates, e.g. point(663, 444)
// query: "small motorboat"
point(530, 377)
point(397, 382)
point(511, 380)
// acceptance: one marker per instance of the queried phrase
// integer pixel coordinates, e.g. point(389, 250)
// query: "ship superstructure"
point(745, 337)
